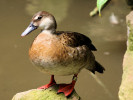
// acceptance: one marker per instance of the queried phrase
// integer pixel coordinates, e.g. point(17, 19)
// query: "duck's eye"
point(40, 17)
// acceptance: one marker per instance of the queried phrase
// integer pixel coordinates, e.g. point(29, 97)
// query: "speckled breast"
point(50, 56)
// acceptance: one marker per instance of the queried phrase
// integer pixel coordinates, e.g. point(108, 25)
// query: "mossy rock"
point(126, 88)
point(45, 94)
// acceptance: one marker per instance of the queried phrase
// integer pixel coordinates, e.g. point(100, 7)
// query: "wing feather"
point(75, 39)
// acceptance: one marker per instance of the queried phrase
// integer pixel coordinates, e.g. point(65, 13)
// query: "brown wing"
point(75, 39)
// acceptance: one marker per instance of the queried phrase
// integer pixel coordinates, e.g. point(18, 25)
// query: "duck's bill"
point(29, 29)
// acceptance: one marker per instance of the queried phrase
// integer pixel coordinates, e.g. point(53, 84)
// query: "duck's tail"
point(97, 67)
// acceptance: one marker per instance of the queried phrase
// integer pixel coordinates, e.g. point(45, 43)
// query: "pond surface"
point(17, 74)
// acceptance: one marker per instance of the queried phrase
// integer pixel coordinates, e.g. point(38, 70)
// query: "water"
point(18, 74)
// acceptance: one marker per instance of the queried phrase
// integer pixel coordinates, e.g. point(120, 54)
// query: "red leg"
point(67, 89)
point(52, 82)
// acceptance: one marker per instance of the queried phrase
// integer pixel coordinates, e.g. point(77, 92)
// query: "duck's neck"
point(48, 31)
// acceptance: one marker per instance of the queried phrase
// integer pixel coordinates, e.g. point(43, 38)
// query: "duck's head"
point(43, 20)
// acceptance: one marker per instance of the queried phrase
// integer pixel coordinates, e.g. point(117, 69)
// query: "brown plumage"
point(60, 52)
point(63, 48)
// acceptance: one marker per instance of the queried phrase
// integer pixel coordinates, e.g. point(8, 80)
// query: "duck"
point(60, 52)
